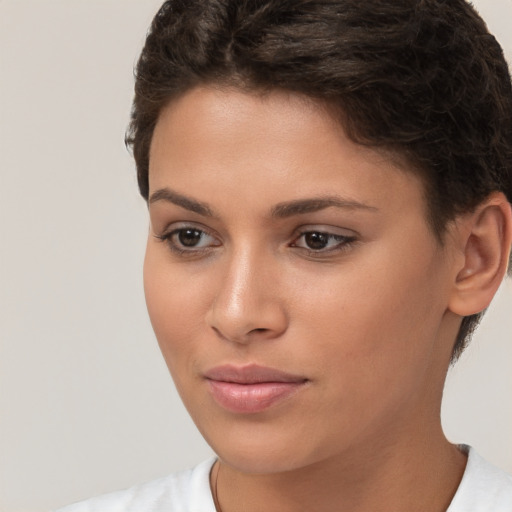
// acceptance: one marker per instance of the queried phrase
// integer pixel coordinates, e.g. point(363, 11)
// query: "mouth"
point(252, 388)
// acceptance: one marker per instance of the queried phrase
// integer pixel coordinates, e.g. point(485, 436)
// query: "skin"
point(366, 320)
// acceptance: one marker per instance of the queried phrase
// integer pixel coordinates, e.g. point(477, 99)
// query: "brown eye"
point(323, 242)
point(189, 237)
point(316, 241)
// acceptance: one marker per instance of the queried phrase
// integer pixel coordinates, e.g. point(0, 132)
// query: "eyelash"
point(174, 247)
point(344, 242)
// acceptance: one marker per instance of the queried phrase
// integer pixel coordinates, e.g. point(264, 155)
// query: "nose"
point(248, 303)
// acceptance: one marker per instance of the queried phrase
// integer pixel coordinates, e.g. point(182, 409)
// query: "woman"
point(329, 188)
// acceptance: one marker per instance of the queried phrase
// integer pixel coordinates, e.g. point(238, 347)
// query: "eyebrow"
point(165, 194)
point(301, 206)
point(280, 210)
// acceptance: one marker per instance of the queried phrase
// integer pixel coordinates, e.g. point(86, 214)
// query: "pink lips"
point(251, 389)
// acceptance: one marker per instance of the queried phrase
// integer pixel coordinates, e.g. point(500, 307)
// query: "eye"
point(188, 239)
point(322, 241)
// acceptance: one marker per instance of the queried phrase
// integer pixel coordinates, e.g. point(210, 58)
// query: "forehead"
point(274, 147)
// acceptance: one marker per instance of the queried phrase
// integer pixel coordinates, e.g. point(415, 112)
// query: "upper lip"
point(251, 374)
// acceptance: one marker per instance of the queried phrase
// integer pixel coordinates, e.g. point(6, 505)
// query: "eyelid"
point(175, 227)
point(327, 229)
point(348, 238)
point(178, 225)
point(345, 239)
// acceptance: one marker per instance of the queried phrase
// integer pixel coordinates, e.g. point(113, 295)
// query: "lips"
point(252, 388)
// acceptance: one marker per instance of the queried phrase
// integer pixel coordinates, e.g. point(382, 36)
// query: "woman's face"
point(297, 293)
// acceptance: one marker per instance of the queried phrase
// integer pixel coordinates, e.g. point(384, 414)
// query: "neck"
point(419, 476)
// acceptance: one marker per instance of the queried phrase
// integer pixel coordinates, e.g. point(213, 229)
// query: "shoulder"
point(186, 491)
point(484, 487)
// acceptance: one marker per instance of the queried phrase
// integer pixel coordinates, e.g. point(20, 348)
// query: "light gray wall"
point(86, 405)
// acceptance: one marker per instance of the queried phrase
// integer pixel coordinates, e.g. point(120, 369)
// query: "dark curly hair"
point(423, 79)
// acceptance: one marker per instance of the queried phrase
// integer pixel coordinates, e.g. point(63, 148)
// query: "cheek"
point(174, 305)
point(375, 324)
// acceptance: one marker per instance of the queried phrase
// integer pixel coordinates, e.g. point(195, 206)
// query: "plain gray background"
point(86, 405)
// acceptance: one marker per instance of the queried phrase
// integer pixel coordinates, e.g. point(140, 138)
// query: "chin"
point(261, 450)
point(256, 462)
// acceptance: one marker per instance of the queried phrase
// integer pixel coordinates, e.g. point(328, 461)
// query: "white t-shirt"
point(484, 488)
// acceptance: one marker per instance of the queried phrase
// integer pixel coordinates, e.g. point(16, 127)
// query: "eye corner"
point(200, 241)
point(323, 241)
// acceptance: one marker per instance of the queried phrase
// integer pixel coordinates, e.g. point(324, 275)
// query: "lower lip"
point(251, 398)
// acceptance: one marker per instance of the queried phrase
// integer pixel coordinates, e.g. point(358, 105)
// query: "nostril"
point(241, 322)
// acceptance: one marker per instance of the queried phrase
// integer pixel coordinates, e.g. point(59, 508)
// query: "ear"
point(486, 237)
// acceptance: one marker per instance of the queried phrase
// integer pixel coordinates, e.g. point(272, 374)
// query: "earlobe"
point(486, 247)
